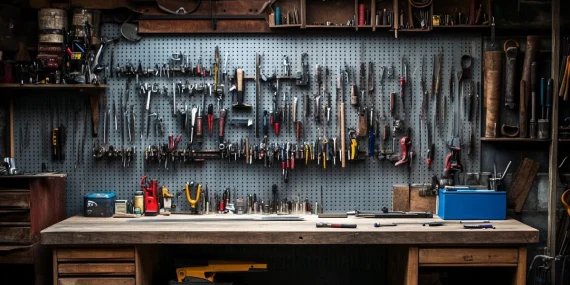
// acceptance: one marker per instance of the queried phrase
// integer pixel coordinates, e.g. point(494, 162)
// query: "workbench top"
point(210, 229)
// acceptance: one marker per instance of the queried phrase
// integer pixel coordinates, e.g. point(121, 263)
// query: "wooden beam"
point(202, 26)
point(412, 267)
point(553, 160)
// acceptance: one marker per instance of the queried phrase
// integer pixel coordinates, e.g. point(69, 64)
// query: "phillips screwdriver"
point(330, 225)
point(210, 119)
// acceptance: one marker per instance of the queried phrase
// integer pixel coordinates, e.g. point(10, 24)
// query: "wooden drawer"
point(96, 281)
point(468, 256)
point(96, 254)
point(14, 216)
point(15, 199)
point(20, 235)
point(96, 269)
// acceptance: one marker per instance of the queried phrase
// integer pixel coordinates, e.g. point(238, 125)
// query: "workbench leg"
point(412, 267)
point(520, 275)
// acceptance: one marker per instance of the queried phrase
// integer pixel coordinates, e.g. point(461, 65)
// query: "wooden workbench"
point(108, 240)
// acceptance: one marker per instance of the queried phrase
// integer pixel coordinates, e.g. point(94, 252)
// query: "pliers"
point(210, 119)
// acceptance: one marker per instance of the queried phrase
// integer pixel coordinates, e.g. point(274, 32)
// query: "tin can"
point(139, 202)
point(52, 19)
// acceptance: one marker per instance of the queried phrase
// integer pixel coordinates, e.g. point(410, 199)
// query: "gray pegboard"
point(365, 185)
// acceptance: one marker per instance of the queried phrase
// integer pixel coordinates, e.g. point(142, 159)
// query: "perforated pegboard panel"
point(365, 185)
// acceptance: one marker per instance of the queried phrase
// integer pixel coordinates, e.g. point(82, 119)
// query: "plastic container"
point(472, 204)
point(100, 204)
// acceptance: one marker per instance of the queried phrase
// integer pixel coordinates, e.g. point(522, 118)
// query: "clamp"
point(188, 189)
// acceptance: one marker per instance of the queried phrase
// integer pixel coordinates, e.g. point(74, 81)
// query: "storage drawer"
point(96, 269)
point(19, 235)
point(465, 256)
point(96, 281)
point(15, 199)
point(14, 216)
point(96, 254)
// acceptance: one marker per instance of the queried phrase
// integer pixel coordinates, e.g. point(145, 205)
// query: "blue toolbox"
point(469, 204)
point(100, 204)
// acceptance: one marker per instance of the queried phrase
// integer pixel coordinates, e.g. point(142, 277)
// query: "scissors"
point(466, 66)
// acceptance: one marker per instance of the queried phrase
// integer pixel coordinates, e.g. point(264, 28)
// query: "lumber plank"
point(522, 182)
point(83, 254)
point(96, 268)
point(400, 198)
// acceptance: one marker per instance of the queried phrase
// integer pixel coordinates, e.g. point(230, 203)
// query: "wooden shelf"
point(564, 140)
point(78, 87)
point(329, 27)
point(513, 140)
point(413, 30)
point(462, 27)
point(285, 26)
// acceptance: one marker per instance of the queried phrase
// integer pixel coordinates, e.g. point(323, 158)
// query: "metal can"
point(139, 202)
point(52, 19)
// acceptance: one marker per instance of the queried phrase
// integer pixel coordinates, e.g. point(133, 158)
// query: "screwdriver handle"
point(199, 124)
point(298, 130)
point(221, 123)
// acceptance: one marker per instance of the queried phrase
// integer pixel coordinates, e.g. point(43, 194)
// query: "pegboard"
point(365, 185)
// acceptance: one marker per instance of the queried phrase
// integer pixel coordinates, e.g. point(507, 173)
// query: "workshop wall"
point(365, 185)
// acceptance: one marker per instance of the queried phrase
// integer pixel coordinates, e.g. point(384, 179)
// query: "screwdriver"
point(276, 119)
point(403, 81)
point(265, 123)
point(484, 226)
point(431, 224)
point(329, 225)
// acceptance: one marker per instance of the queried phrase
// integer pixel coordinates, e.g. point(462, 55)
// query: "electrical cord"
point(420, 4)
point(179, 11)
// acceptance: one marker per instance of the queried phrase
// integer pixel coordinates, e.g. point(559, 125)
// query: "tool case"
point(469, 204)
point(100, 204)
